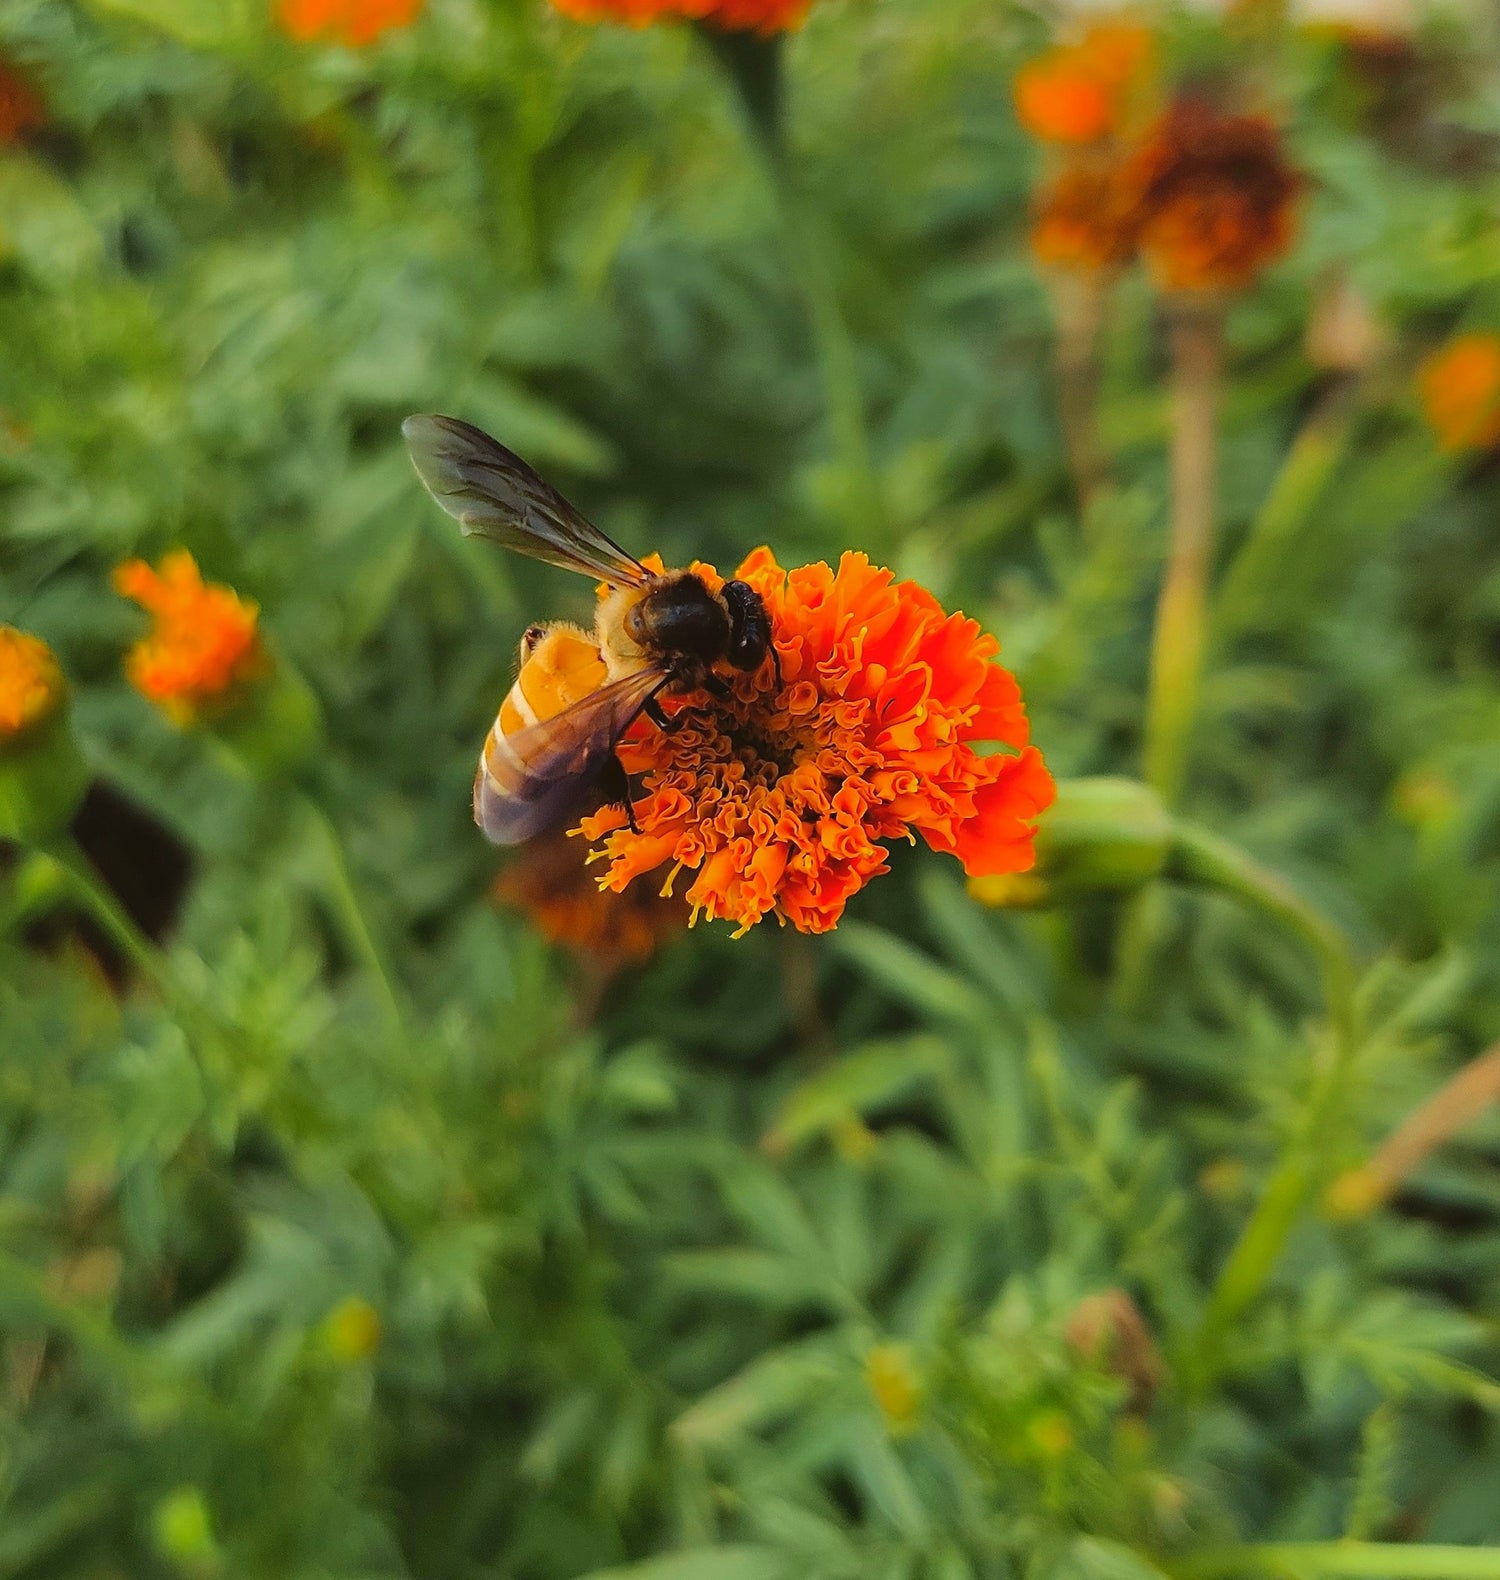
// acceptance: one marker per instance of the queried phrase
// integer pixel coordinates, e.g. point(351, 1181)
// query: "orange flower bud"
point(356, 23)
point(1460, 391)
point(1079, 93)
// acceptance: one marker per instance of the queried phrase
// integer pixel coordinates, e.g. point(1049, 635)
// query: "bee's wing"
point(492, 493)
point(534, 779)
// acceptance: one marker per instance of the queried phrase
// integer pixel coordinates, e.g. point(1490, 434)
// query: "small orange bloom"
point(31, 684)
point(549, 882)
point(1087, 219)
point(1078, 93)
point(778, 798)
point(1217, 196)
point(21, 107)
point(733, 16)
point(356, 23)
point(1460, 390)
point(203, 644)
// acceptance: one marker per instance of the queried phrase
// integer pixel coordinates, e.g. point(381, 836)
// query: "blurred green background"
point(349, 1228)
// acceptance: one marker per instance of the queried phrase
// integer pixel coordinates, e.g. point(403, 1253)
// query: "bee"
point(553, 741)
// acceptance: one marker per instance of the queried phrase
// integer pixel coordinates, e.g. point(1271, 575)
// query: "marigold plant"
point(1217, 197)
point(1460, 392)
point(31, 684)
point(761, 16)
point(1081, 92)
point(779, 797)
point(549, 883)
point(356, 23)
point(204, 642)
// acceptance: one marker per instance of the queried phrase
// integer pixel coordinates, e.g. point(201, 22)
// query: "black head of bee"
point(749, 627)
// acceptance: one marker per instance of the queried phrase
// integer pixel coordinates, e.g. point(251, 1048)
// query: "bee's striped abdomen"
point(559, 668)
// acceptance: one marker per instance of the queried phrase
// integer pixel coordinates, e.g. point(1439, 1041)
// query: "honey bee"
point(553, 741)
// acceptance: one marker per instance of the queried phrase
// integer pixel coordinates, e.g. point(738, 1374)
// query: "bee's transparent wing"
point(538, 777)
point(492, 493)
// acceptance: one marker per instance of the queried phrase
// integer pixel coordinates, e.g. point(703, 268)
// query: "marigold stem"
point(1197, 338)
point(118, 925)
point(1455, 1104)
point(754, 67)
point(1078, 303)
point(1299, 487)
point(1398, 1560)
point(1205, 858)
point(351, 912)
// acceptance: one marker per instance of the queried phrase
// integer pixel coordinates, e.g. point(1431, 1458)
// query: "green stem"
point(1263, 559)
point(351, 913)
point(754, 67)
point(1078, 303)
point(1398, 1560)
point(115, 921)
point(1177, 644)
point(1204, 858)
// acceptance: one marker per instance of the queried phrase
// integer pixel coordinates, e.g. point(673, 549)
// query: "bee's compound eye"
point(530, 639)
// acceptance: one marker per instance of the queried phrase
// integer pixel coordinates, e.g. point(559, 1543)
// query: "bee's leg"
point(668, 724)
point(717, 686)
point(614, 786)
point(776, 668)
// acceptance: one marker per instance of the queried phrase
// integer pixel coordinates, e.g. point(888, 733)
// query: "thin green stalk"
point(1078, 304)
point(116, 922)
point(1299, 488)
point(1204, 858)
point(351, 913)
point(1397, 1560)
point(1197, 336)
point(754, 67)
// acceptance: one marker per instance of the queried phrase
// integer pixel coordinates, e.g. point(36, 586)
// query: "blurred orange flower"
point(1217, 195)
point(31, 684)
point(549, 882)
point(356, 23)
point(778, 797)
point(21, 106)
point(762, 16)
point(203, 643)
point(1460, 390)
point(1086, 219)
point(1078, 93)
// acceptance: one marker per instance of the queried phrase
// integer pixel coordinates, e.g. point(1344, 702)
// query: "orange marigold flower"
point(31, 684)
point(1078, 93)
point(778, 798)
point(1460, 390)
point(733, 16)
point(203, 644)
point(1217, 195)
point(356, 23)
point(1086, 219)
point(550, 884)
point(21, 106)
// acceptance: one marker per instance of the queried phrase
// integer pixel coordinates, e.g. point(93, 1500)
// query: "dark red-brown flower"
point(21, 107)
point(1217, 197)
point(779, 798)
point(733, 16)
